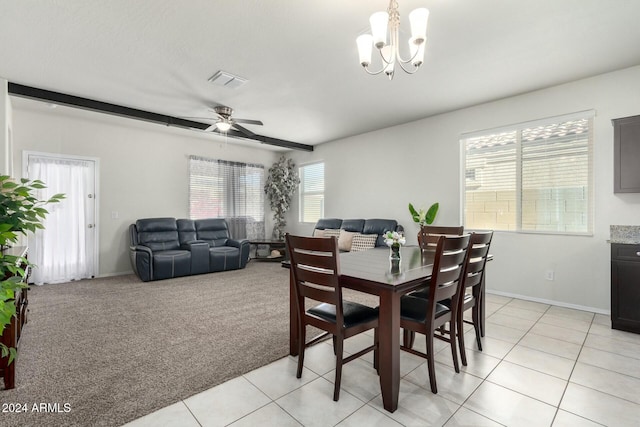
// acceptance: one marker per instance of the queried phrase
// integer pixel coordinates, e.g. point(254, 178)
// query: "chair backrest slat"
point(315, 259)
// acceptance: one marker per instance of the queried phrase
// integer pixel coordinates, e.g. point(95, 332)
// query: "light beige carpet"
point(115, 349)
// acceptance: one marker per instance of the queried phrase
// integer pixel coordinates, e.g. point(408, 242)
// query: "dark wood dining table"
point(372, 272)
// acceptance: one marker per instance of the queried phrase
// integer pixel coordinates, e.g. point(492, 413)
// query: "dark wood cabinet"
point(626, 137)
point(625, 287)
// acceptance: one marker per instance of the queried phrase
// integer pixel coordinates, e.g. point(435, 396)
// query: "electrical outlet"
point(550, 275)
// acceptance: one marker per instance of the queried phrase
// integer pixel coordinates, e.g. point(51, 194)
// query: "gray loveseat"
point(162, 248)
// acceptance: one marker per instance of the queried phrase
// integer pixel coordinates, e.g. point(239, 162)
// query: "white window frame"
point(589, 114)
point(302, 193)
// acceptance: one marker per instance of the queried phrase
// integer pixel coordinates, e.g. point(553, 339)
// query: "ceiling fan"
point(226, 122)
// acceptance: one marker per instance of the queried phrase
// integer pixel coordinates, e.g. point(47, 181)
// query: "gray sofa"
point(377, 227)
point(162, 248)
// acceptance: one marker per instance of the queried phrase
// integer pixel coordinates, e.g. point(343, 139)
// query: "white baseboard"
point(551, 302)
point(122, 273)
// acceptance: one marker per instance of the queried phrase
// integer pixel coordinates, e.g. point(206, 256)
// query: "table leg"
point(293, 318)
point(389, 349)
point(482, 305)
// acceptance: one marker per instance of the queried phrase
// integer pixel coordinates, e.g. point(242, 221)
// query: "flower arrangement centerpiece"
point(394, 240)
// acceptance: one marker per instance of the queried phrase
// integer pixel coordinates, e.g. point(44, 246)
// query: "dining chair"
point(439, 229)
point(315, 265)
point(470, 296)
point(427, 315)
point(427, 230)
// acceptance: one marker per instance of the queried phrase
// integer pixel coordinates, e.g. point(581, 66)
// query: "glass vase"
point(394, 253)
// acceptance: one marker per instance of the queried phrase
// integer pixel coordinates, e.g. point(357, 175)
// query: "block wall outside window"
point(534, 178)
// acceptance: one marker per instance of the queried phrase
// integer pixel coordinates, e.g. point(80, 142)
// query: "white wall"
point(5, 128)
point(375, 175)
point(143, 166)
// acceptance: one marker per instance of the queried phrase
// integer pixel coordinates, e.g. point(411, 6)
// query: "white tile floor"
point(541, 365)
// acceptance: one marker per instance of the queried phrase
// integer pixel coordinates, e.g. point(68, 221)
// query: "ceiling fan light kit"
point(223, 126)
point(226, 122)
point(386, 26)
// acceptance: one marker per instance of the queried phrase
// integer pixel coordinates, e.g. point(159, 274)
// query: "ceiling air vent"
point(222, 78)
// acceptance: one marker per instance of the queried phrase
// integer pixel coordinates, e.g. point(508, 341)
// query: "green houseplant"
point(423, 217)
point(20, 212)
point(282, 182)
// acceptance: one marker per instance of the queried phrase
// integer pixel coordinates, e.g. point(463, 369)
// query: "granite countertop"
point(629, 234)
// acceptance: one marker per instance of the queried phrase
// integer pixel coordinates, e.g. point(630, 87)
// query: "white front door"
point(67, 247)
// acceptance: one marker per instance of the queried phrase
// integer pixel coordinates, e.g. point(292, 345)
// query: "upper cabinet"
point(626, 136)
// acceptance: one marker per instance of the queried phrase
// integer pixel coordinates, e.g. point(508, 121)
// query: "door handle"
point(90, 226)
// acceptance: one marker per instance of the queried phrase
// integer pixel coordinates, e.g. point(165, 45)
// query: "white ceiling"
point(300, 57)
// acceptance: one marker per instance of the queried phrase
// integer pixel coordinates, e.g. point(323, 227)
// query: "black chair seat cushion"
point(354, 313)
point(415, 309)
point(173, 263)
point(447, 302)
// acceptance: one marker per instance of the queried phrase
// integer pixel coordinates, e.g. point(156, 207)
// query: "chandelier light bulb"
point(418, 19)
point(365, 46)
point(379, 22)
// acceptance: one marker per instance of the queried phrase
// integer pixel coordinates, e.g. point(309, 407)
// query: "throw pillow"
point(362, 242)
point(345, 239)
point(332, 232)
point(318, 232)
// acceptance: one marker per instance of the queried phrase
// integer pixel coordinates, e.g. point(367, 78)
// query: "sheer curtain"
point(60, 251)
point(230, 190)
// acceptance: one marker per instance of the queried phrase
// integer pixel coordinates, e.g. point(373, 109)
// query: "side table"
point(279, 245)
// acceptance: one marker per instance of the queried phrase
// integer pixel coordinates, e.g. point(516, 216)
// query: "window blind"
point(230, 190)
point(311, 192)
point(534, 178)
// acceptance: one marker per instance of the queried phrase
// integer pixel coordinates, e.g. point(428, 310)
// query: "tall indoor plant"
point(20, 212)
point(282, 181)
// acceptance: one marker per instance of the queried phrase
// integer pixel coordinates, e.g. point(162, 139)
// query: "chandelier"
point(386, 26)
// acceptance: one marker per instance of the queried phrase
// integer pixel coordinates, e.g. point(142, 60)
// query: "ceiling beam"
point(133, 113)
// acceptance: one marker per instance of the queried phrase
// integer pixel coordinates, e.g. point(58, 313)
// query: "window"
point(230, 190)
point(311, 192)
point(532, 177)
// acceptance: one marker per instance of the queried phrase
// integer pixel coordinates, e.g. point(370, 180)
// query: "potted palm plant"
point(20, 212)
point(424, 217)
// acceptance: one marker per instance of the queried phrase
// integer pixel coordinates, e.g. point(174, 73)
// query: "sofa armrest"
point(199, 255)
point(244, 246)
point(237, 243)
point(187, 245)
point(142, 261)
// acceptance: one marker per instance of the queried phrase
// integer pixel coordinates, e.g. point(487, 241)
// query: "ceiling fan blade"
point(243, 130)
point(211, 128)
point(247, 121)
